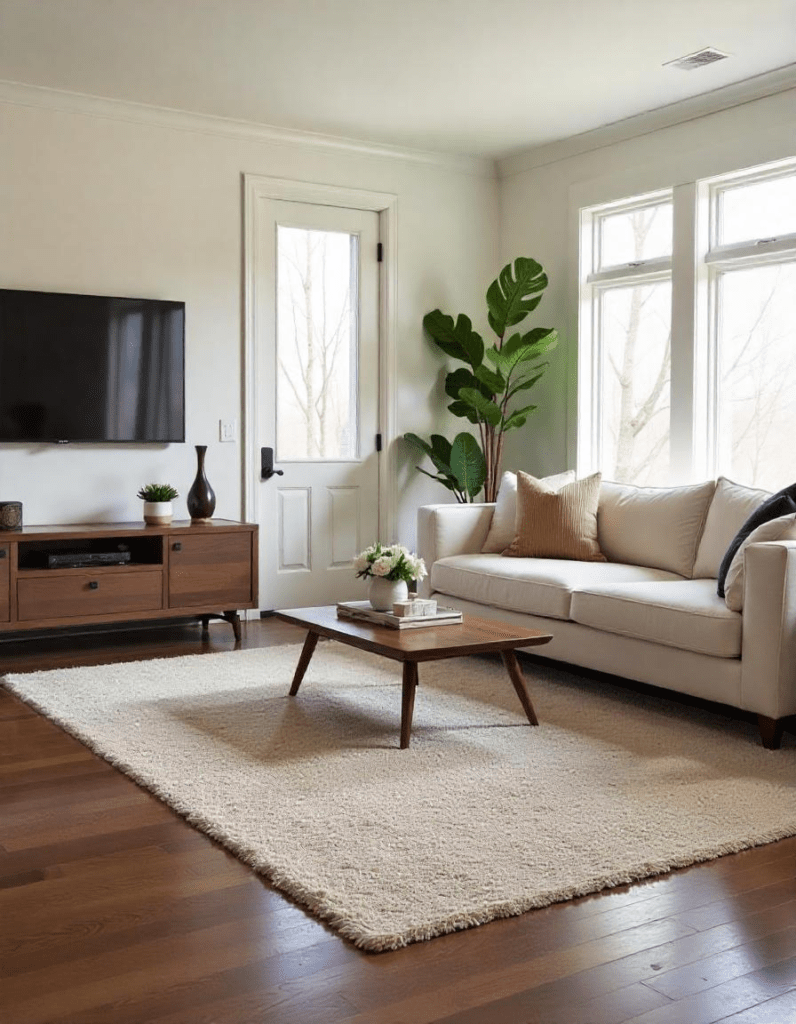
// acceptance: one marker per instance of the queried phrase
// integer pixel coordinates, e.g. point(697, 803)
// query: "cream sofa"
point(650, 612)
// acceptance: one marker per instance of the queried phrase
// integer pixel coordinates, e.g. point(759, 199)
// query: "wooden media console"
point(207, 570)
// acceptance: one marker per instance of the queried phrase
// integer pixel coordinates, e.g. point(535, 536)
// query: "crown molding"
point(21, 94)
point(769, 84)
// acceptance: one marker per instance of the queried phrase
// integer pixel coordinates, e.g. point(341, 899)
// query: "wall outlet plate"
point(228, 430)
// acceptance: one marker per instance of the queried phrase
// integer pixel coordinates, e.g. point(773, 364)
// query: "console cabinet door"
point(210, 571)
point(5, 593)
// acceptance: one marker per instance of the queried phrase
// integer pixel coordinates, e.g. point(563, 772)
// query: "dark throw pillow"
point(779, 504)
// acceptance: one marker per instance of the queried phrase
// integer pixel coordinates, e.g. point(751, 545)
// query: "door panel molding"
point(259, 187)
point(294, 526)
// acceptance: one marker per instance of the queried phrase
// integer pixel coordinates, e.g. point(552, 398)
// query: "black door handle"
point(267, 464)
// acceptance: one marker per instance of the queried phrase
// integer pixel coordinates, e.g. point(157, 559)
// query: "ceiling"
point(482, 77)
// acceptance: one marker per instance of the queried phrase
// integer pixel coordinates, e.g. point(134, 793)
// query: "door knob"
point(267, 464)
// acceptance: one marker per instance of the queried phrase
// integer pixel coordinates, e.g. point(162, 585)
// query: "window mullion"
point(683, 412)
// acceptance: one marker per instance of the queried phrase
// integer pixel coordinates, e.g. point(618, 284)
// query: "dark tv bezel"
point(106, 440)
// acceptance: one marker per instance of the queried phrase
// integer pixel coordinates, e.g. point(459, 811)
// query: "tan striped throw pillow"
point(557, 524)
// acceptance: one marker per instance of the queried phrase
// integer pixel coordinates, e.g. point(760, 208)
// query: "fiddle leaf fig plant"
point(482, 390)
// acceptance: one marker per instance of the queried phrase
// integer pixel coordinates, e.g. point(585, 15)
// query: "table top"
point(426, 643)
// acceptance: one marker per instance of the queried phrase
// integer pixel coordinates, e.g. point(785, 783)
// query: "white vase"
point(158, 513)
point(382, 593)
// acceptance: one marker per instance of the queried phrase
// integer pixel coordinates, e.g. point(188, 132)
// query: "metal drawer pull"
point(93, 585)
point(176, 547)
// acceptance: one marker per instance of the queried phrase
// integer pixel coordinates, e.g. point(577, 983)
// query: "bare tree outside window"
point(757, 356)
point(636, 365)
point(316, 344)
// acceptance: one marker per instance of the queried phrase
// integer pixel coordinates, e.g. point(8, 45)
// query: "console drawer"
point(5, 595)
point(73, 596)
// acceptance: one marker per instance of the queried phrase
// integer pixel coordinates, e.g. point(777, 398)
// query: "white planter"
point(383, 593)
point(158, 513)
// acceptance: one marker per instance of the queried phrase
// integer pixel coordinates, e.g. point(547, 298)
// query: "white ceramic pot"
point(158, 513)
point(383, 593)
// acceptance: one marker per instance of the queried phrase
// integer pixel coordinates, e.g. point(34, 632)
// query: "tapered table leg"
point(306, 654)
point(408, 701)
point(518, 680)
point(233, 619)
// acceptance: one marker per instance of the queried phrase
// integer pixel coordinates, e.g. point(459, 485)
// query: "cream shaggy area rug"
point(482, 817)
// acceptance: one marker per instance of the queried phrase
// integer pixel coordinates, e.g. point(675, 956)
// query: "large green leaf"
point(441, 447)
point(455, 339)
point(485, 407)
point(463, 378)
point(467, 463)
point(514, 293)
point(439, 451)
point(518, 418)
point(494, 381)
point(447, 481)
point(525, 383)
point(464, 411)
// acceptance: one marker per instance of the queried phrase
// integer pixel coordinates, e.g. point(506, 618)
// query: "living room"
point(132, 156)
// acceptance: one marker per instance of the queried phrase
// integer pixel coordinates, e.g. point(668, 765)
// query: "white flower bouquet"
point(393, 563)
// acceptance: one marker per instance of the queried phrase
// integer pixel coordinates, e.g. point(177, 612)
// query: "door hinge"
point(379, 253)
point(378, 442)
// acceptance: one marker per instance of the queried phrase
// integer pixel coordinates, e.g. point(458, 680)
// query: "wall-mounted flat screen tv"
point(91, 368)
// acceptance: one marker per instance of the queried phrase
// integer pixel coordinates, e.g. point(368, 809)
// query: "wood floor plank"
point(722, 1002)
point(113, 910)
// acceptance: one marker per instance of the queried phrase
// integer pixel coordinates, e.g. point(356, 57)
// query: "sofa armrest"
point(444, 530)
point(768, 666)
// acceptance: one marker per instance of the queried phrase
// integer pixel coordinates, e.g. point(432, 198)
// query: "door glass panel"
point(633, 235)
point(316, 345)
point(635, 337)
point(757, 375)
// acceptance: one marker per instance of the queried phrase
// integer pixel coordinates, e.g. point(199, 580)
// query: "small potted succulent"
point(158, 510)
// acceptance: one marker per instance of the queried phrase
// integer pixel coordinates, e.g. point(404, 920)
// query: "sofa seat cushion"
point(536, 586)
point(687, 614)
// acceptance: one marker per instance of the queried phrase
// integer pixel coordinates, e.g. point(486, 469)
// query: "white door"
point(318, 372)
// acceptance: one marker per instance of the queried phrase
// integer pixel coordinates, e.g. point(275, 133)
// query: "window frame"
point(695, 268)
point(595, 280)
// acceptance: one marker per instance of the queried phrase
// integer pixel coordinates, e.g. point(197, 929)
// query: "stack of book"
point(362, 610)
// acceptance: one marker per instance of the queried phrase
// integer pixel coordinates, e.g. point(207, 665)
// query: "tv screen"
point(91, 368)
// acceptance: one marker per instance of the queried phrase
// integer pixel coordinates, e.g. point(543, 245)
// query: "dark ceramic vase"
point(201, 499)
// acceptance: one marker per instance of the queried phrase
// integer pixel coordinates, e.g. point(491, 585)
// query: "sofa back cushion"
point(658, 527)
point(731, 506)
point(503, 527)
point(782, 528)
point(780, 504)
point(557, 524)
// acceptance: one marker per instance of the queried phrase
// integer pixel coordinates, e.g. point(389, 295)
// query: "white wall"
point(539, 218)
point(102, 204)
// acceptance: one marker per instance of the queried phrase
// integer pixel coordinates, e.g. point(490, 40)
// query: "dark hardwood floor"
point(115, 911)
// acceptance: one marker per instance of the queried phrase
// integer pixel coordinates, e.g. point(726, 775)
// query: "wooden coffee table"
point(411, 646)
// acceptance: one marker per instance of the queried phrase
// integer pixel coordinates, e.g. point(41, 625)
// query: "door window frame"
point(258, 187)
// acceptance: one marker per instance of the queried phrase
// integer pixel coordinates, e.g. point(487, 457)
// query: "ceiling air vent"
point(707, 55)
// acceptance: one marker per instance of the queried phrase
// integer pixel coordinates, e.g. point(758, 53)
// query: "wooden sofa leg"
point(770, 731)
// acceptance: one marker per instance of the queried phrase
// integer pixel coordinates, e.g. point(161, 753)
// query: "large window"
point(726, 289)
point(628, 302)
